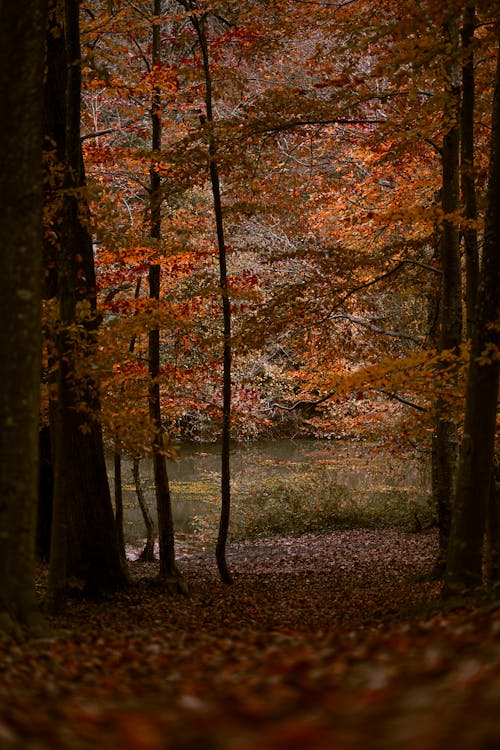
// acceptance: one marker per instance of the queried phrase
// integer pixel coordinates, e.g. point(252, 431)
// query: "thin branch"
point(115, 290)
point(402, 400)
point(298, 404)
point(96, 134)
point(299, 123)
point(381, 277)
point(374, 328)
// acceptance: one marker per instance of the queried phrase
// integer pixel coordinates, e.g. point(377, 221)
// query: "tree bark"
point(475, 474)
point(493, 527)
point(117, 464)
point(148, 553)
point(467, 173)
point(166, 537)
point(22, 34)
point(445, 440)
point(84, 540)
point(199, 24)
point(45, 495)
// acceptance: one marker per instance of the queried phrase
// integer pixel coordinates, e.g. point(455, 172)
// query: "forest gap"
point(344, 480)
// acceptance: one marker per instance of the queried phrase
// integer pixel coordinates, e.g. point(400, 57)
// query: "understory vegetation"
point(325, 487)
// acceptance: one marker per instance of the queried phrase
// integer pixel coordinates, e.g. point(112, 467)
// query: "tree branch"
point(375, 280)
point(374, 328)
point(96, 134)
point(402, 400)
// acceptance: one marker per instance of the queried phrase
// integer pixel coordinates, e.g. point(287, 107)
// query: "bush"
point(312, 502)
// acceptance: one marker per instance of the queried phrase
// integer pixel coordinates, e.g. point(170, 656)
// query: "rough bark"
point(475, 474)
point(45, 495)
point(117, 465)
point(445, 441)
point(22, 27)
point(84, 540)
point(492, 567)
point(166, 539)
point(467, 174)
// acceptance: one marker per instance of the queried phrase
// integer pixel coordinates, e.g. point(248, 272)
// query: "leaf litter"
point(334, 640)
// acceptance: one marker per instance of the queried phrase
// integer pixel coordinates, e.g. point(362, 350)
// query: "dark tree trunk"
point(166, 538)
point(475, 474)
point(199, 24)
point(22, 30)
point(45, 495)
point(148, 553)
point(84, 540)
point(445, 440)
point(117, 463)
point(493, 528)
point(468, 183)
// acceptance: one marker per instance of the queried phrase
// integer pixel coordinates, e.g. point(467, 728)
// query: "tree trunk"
point(445, 440)
point(45, 495)
point(148, 553)
point(493, 527)
point(22, 29)
point(475, 474)
point(117, 463)
point(166, 539)
point(84, 540)
point(199, 24)
point(467, 174)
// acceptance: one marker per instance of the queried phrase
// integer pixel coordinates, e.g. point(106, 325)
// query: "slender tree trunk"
point(199, 23)
point(117, 464)
point(45, 495)
point(475, 474)
point(166, 538)
point(468, 183)
point(148, 553)
point(493, 527)
point(445, 440)
point(22, 29)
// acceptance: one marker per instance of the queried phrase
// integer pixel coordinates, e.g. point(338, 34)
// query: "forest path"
point(314, 582)
point(330, 641)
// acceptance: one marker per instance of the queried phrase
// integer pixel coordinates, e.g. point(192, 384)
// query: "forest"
point(226, 224)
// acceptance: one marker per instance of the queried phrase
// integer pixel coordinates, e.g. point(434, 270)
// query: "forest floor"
point(333, 641)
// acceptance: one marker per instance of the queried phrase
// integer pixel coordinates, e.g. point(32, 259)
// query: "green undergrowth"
point(273, 497)
point(311, 502)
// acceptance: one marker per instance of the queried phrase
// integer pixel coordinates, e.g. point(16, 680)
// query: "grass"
point(311, 500)
point(271, 497)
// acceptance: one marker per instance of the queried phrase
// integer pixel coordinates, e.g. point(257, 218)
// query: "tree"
point(467, 160)
point(476, 466)
point(84, 541)
point(330, 163)
point(22, 55)
point(199, 22)
point(445, 438)
point(168, 568)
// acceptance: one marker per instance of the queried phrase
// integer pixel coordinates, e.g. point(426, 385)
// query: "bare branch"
point(375, 280)
point(374, 328)
point(402, 400)
point(96, 134)
point(305, 404)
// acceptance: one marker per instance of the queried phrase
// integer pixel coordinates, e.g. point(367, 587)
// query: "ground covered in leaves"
point(324, 641)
